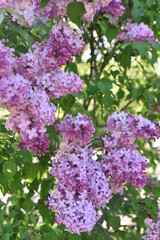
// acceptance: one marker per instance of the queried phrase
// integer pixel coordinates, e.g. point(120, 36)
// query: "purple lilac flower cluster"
point(29, 82)
point(153, 229)
point(82, 186)
point(135, 32)
point(115, 9)
point(123, 163)
point(78, 129)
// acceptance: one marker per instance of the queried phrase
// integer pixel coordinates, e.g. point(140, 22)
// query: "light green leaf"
point(9, 169)
point(104, 84)
point(107, 99)
point(1, 16)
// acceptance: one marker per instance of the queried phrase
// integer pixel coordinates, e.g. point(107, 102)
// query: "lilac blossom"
point(135, 32)
point(124, 165)
point(115, 9)
point(153, 229)
point(79, 129)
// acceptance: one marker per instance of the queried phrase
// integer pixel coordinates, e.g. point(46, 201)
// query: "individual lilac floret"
point(124, 166)
point(135, 32)
point(60, 83)
point(73, 209)
point(7, 60)
point(63, 44)
point(115, 9)
point(76, 129)
point(153, 229)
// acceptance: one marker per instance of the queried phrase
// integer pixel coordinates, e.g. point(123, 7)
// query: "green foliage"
point(75, 10)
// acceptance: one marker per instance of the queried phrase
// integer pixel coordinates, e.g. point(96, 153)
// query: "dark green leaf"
point(75, 10)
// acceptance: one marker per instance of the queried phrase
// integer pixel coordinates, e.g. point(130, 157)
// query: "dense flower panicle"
point(30, 119)
point(82, 185)
point(73, 209)
point(63, 43)
point(135, 32)
point(29, 82)
point(60, 83)
point(153, 229)
point(79, 172)
point(123, 129)
point(115, 9)
point(124, 165)
point(76, 129)
point(7, 60)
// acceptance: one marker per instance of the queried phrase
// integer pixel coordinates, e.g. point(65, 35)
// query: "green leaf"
point(114, 222)
point(104, 84)
point(142, 47)
point(45, 187)
point(24, 233)
point(74, 237)
point(107, 99)
point(50, 236)
point(111, 18)
point(43, 3)
point(9, 169)
point(23, 33)
point(28, 205)
point(27, 156)
point(1, 16)
point(75, 10)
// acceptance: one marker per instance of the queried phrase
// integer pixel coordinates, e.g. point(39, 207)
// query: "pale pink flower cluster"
point(82, 186)
point(115, 9)
point(135, 32)
point(120, 161)
point(29, 82)
point(153, 229)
